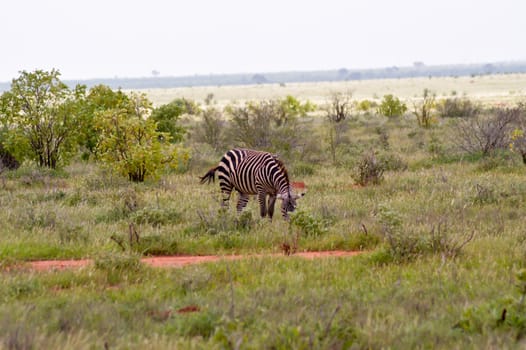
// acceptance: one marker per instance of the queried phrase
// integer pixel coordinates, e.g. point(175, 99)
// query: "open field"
point(489, 89)
point(443, 237)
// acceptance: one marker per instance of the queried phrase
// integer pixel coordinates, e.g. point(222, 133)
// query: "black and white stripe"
point(252, 172)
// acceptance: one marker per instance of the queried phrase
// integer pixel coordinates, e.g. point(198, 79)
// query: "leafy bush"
point(391, 106)
point(167, 117)
point(308, 224)
point(131, 145)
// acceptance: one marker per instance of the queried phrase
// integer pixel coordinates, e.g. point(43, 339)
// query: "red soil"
point(178, 261)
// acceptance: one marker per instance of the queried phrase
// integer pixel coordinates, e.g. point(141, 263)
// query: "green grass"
point(444, 235)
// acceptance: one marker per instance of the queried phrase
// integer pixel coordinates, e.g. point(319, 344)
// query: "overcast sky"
point(131, 38)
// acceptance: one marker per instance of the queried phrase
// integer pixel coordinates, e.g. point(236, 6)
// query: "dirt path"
point(178, 261)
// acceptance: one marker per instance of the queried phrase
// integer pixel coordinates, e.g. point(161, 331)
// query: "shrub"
point(211, 130)
point(167, 117)
point(131, 145)
point(368, 170)
point(423, 110)
point(457, 108)
point(307, 224)
point(391, 106)
point(404, 243)
point(485, 134)
point(271, 125)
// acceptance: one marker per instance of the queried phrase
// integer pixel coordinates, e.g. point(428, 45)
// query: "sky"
point(131, 38)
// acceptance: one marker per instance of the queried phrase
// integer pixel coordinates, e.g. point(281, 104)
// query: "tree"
point(167, 117)
point(391, 106)
point(339, 107)
point(130, 142)
point(99, 99)
point(40, 115)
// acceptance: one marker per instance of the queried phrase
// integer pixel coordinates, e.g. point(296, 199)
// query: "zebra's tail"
point(210, 176)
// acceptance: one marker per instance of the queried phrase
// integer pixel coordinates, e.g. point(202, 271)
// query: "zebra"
point(251, 172)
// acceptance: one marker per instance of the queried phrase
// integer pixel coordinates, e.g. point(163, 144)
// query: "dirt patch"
point(179, 261)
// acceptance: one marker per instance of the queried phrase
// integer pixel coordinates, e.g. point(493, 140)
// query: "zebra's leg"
point(242, 201)
point(262, 198)
point(271, 204)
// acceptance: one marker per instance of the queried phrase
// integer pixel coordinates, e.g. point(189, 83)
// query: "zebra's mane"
point(283, 169)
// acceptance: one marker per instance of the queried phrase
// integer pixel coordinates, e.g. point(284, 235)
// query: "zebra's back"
point(240, 167)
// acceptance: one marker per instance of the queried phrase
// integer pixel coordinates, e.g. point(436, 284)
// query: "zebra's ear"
point(298, 195)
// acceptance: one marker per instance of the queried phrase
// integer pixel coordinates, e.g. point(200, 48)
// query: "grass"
point(444, 267)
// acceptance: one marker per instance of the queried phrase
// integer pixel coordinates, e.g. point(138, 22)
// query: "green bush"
point(391, 106)
point(308, 224)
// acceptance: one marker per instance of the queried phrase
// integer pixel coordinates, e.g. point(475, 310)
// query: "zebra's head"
point(288, 204)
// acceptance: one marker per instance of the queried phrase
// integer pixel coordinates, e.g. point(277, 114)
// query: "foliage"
point(506, 313)
point(100, 98)
point(307, 223)
point(423, 109)
point(130, 143)
point(7, 161)
point(366, 105)
point(40, 114)
point(391, 106)
point(167, 117)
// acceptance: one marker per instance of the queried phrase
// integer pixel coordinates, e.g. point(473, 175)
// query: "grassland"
point(444, 235)
point(488, 89)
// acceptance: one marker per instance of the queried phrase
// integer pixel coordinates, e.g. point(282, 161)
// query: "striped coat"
point(252, 172)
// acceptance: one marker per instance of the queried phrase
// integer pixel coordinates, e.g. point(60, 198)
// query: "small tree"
point(40, 114)
point(423, 110)
point(392, 106)
point(130, 143)
point(339, 107)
